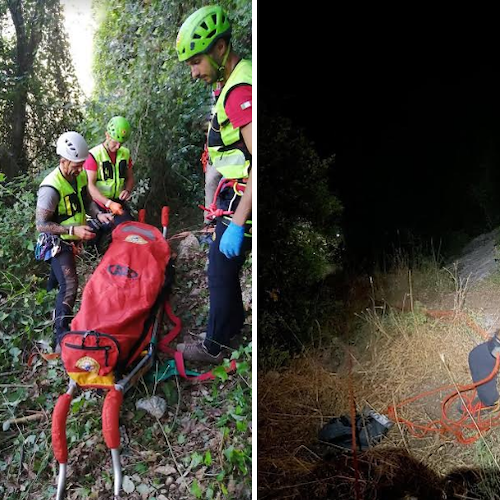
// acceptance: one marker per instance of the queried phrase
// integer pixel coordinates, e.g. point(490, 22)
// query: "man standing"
point(204, 43)
point(109, 170)
point(61, 210)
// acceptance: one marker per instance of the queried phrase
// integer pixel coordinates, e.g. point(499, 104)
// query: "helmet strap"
point(220, 68)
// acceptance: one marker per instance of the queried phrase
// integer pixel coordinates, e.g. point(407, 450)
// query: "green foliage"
point(24, 319)
point(55, 101)
point(24, 305)
point(138, 76)
point(234, 426)
point(17, 199)
point(301, 220)
point(235, 454)
point(39, 96)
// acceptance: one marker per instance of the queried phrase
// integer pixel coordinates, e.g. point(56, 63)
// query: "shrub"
point(300, 239)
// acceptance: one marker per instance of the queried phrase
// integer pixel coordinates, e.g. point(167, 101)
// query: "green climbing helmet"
point(118, 128)
point(201, 30)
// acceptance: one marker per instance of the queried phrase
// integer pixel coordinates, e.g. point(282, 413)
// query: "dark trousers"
point(226, 316)
point(127, 216)
point(102, 239)
point(63, 274)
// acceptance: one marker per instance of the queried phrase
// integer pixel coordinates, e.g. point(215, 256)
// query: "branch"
point(20, 420)
point(36, 24)
point(16, 13)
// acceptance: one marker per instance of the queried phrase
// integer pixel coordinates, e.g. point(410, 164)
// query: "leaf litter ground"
point(199, 448)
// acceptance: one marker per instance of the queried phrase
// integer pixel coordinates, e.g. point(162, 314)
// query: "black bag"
point(371, 427)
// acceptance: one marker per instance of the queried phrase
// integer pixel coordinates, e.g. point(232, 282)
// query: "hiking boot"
point(197, 352)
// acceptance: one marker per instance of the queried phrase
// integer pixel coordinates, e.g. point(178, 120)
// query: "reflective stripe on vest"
point(231, 162)
point(70, 209)
point(110, 177)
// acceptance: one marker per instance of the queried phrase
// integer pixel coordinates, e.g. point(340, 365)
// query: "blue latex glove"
point(231, 241)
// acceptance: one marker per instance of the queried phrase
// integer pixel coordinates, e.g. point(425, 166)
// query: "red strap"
point(163, 346)
point(165, 341)
point(179, 363)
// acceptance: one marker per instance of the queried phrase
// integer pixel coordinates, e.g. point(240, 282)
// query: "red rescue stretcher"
point(115, 335)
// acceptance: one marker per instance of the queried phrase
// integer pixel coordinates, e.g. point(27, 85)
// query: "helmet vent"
point(200, 30)
point(72, 146)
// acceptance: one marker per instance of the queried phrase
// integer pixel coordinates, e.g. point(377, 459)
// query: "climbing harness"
point(51, 245)
point(213, 211)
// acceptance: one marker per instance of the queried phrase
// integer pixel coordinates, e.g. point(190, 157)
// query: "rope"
point(354, 443)
point(213, 211)
point(163, 346)
point(469, 428)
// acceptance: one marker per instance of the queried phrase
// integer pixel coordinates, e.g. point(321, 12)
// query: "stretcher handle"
point(111, 432)
point(59, 417)
point(165, 211)
point(142, 215)
point(111, 417)
point(59, 441)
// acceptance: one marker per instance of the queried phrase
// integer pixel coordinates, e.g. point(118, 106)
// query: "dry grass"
point(396, 355)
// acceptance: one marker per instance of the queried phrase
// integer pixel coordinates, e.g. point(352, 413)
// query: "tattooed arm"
point(48, 199)
point(44, 224)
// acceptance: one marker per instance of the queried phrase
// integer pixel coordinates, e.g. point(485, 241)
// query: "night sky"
point(412, 114)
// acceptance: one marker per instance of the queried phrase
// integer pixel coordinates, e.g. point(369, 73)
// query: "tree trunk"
point(18, 128)
point(26, 48)
point(7, 164)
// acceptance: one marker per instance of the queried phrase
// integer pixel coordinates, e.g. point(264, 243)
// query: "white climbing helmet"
point(72, 146)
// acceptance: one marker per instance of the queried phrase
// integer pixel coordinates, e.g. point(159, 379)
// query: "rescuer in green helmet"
point(204, 44)
point(109, 170)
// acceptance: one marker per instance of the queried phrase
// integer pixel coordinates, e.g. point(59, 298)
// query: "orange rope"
point(446, 425)
point(353, 429)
